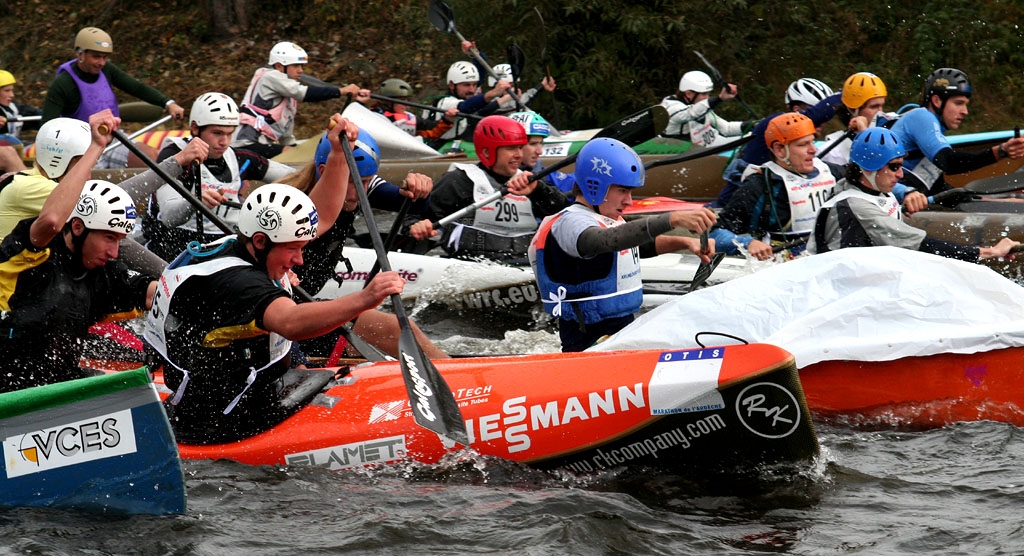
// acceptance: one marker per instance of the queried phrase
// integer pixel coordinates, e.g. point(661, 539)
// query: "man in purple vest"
point(85, 85)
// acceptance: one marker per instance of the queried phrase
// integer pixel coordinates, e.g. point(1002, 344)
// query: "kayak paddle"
point(721, 83)
point(705, 269)
point(848, 135)
point(442, 17)
point(632, 130)
point(694, 154)
point(310, 80)
point(135, 134)
point(371, 353)
point(433, 405)
point(516, 60)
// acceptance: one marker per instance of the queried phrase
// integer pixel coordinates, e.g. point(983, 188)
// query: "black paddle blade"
point(433, 405)
point(639, 127)
point(441, 16)
point(714, 71)
point(516, 59)
point(996, 184)
point(704, 271)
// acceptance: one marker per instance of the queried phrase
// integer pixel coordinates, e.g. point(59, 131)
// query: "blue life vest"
point(617, 294)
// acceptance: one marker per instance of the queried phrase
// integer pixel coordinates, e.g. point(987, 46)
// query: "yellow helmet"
point(860, 88)
point(6, 78)
point(91, 38)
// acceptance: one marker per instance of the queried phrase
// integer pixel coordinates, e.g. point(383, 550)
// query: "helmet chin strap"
point(871, 177)
point(789, 163)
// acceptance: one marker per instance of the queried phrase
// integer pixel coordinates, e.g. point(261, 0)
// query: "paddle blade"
point(516, 59)
point(996, 184)
point(704, 271)
point(714, 71)
point(139, 112)
point(639, 127)
point(441, 16)
point(433, 405)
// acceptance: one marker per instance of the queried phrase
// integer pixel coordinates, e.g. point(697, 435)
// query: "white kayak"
point(469, 285)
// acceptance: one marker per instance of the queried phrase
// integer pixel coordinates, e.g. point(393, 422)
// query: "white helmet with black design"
point(280, 211)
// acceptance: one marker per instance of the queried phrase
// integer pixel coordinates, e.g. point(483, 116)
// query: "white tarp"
point(864, 304)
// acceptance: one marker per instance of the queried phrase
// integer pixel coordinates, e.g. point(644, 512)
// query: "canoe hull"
point(459, 285)
point(112, 452)
point(719, 409)
point(920, 392)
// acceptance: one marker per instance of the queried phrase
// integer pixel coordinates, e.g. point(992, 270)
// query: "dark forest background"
point(609, 57)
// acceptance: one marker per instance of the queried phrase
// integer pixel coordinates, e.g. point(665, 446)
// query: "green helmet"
point(533, 123)
point(395, 88)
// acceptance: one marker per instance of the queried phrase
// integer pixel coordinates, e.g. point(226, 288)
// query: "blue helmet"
point(605, 162)
point(874, 147)
point(365, 151)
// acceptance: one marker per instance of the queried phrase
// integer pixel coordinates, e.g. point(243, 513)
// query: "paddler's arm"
point(596, 240)
point(308, 320)
point(329, 193)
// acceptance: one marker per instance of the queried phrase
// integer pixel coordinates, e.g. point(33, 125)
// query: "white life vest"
point(156, 318)
point(282, 114)
point(446, 104)
point(13, 128)
point(806, 195)
point(886, 202)
point(512, 215)
point(405, 121)
point(209, 182)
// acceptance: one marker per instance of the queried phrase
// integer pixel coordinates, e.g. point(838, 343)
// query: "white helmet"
point(463, 72)
point(808, 91)
point(504, 73)
point(106, 207)
point(696, 81)
point(214, 109)
point(58, 141)
point(282, 212)
point(287, 53)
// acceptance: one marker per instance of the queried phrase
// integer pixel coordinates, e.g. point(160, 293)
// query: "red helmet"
point(493, 132)
point(787, 128)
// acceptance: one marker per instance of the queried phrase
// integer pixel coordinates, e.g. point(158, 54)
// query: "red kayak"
point(714, 410)
point(920, 392)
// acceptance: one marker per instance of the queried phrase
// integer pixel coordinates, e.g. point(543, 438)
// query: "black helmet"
point(946, 83)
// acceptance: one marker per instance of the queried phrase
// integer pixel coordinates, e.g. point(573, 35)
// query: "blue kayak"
point(99, 444)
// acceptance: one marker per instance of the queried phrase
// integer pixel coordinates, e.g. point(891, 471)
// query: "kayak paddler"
point(922, 132)
point(587, 257)
point(501, 230)
point(224, 319)
point(778, 199)
point(865, 213)
point(59, 269)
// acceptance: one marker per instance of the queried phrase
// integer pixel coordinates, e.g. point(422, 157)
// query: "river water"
point(955, 490)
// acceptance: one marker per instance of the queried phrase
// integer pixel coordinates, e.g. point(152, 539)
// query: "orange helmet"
point(787, 128)
point(496, 131)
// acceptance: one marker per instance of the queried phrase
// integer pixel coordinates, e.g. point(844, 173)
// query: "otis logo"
point(70, 444)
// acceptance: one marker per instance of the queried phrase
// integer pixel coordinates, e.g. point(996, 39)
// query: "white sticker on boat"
point(356, 454)
point(560, 150)
point(91, 439)
point(686, 381)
